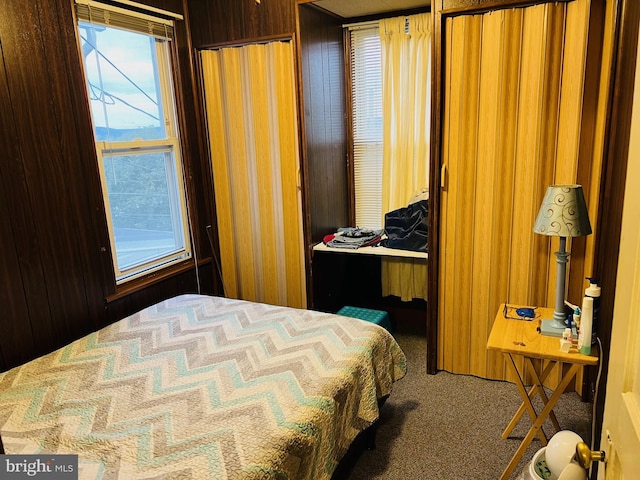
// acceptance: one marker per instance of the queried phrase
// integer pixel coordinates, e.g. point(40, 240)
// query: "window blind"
point(127, 18)
point(366, 85)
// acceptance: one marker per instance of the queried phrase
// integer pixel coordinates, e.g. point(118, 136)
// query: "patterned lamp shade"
point(563, 212)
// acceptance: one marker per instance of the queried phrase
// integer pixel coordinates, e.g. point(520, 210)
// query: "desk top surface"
point(379, 251)
point(520, 337)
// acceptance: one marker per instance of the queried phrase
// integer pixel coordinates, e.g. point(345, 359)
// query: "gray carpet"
point(447, 426)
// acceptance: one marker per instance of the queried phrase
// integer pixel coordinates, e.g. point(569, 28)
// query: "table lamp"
point(563, 214)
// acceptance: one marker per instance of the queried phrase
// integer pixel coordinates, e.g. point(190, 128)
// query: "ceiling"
point(360, 8)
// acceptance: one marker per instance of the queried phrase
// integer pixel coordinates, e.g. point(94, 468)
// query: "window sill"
point(153, 278)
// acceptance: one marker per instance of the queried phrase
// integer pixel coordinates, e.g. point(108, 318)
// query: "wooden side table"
point(521, 338)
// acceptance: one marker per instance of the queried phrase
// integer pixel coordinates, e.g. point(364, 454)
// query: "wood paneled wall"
point(325, 127)
point(324, 131)
point(53, 217)
point(55, 266)
point(216, 22)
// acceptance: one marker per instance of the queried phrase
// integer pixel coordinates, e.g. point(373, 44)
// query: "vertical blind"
point(366, 85)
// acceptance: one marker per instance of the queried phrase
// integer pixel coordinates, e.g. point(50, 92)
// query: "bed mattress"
point(204, 387)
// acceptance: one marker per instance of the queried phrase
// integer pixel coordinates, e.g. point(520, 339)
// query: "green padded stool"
point(374, 316)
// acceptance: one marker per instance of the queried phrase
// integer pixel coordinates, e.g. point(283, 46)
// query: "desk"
point(520, 338)
point(379, 251)
point(342, 276)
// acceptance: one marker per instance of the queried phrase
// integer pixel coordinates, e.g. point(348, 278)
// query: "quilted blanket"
point(201, 387)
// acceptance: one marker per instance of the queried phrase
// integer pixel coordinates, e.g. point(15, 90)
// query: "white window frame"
point(162, 29)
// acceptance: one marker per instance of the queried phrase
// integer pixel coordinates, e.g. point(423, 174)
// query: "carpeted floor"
point(447, 426)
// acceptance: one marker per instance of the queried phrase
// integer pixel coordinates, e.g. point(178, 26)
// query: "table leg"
point(539, 421)
point(536, 388)
point(539, 387)
point(526, 401)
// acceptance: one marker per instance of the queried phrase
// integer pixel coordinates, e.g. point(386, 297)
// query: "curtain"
point(253, 135)
point(406, 94)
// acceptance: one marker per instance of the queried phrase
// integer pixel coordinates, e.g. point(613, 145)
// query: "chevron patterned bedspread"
point(201, 387)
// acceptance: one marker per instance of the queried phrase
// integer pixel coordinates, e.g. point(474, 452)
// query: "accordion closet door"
point(518, 103)
point(253, 136)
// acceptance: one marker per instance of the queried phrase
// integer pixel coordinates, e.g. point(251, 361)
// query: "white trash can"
point(561, 450)
point(537, 468)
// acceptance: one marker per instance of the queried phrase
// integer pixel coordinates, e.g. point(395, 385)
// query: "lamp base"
point(552, 328)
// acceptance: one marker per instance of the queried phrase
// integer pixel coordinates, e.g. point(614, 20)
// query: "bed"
point(202, 387)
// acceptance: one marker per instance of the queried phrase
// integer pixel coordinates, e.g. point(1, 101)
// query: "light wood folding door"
point(514, 94)
point(253, 134)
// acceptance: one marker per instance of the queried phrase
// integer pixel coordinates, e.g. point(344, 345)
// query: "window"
point(366, 94)
point(128, 74)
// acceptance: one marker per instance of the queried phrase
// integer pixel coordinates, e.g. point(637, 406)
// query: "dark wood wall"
point(324, 136)
point(216, 22)
point(322, 67)
point(55, 268)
